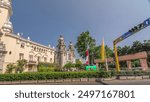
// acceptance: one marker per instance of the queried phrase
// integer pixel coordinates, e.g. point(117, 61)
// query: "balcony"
point(32, 62)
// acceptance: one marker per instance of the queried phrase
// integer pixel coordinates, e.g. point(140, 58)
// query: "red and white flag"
point(87, 57)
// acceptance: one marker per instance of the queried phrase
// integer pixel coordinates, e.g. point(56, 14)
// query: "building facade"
point(64, 55)
point(13, 47)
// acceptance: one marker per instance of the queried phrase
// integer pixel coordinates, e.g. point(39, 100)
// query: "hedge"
point(53, 75)
point(133, 73)
point(46, 69)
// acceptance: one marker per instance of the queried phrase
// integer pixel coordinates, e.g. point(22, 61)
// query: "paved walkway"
point(127, 82)
point(69, 83)
point(110, 82)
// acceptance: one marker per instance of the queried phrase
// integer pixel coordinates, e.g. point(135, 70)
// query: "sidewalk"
point(127, 82)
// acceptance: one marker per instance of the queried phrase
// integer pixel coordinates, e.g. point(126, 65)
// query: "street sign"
point(89, 68)
point(132, 31)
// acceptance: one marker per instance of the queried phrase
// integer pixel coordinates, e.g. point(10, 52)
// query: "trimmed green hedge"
point(133, 73)
point(53, 75)
point(46, 70)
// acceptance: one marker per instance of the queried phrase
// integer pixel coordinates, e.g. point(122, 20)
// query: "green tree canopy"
point(20, 65)
point(83, 42)
point(10, 68)
point(97, 50)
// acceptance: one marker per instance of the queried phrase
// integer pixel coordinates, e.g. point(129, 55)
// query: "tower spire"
point(5, 11)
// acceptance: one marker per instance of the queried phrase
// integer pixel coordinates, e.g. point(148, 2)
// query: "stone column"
point(129, 65)
point(144, 64)
point(61, 59)
point(61, 51)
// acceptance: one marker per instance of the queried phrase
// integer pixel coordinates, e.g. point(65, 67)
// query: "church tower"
point(71, 54)
point(5, 27)
point(5, 11)
point(61, 52)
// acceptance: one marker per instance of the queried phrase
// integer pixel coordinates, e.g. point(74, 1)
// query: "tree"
point(10, 68)
point(108, 50)
point(83, 42)
point(20, 65)
point(68, 66)
point(124, 50)
point(78, 64)
point(137, 46)
point(146, 47)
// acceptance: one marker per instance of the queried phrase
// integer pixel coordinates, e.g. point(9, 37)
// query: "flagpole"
point(106, 62)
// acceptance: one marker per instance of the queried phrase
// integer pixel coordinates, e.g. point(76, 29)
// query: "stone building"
point(71, 53)
point(14, 47)
point(63, 55)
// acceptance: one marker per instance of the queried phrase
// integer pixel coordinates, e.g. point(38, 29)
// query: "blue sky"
point(45, 20)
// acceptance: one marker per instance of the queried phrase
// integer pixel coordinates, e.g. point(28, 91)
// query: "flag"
point(87, 57)
point(103, 51)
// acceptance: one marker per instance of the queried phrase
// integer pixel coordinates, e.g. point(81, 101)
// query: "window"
point(37, 49)
point(38, 58)
point(34, 48)
point(21, 56)
point(30, 57)
point(50, 60)
point(40, 50)
point(22, 45)
point(45, 59)
point(10, 52)
point(51, 53)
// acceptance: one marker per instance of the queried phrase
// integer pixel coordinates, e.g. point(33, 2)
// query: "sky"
point(45, 20)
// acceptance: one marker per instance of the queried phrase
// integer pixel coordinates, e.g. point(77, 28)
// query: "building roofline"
point(32, 42)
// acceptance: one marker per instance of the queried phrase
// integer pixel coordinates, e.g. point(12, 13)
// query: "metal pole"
point(106, 63)
point(116, 58)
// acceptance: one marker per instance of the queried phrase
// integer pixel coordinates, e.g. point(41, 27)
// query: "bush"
point(46, 67)
point(133, 73)
point(10, 68)
point(104, 74)
point(113, 73)
point(53, 75)
point(20, 65)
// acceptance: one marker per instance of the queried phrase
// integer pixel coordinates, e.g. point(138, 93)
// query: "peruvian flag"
point(87, 57)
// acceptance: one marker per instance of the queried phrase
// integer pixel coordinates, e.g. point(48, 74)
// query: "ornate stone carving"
point(5, 4)
point(7, 27)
